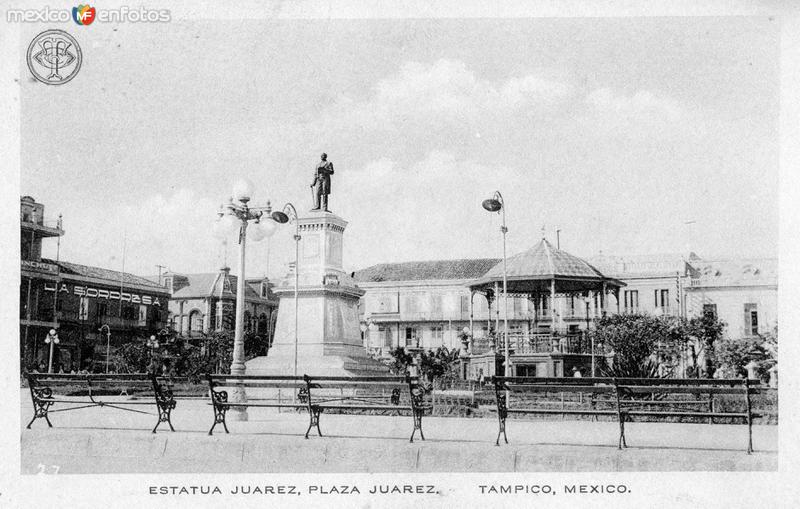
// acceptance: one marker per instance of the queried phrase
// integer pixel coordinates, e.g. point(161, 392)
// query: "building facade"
point(426, 305)
point(201, 304)
point(93, 310)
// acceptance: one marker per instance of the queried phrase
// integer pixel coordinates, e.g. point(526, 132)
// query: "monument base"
point(328, 365)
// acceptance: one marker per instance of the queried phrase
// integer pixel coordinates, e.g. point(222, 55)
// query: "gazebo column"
point(603, 299)
point(489, 299)
point(471, 321)
point(530, 324)
point(497, 310)
point(553, 305)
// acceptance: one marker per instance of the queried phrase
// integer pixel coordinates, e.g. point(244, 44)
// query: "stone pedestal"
point(328, 334)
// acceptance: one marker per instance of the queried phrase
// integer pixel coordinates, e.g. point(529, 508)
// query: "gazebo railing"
point(576, 343)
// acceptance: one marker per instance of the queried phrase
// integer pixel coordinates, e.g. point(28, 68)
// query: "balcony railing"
point(541, 344)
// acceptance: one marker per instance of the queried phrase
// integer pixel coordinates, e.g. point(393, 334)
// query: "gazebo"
point(563, 291)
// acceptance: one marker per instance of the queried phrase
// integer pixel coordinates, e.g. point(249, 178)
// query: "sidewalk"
point(103, 440)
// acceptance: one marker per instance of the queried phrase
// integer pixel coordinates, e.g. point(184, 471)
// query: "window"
point(411, 337)
point(195, 321)
point(102, 309)
point(710, 310)
point(632, 300)
point(437, 334)
point(751, 319)
point(661, 298)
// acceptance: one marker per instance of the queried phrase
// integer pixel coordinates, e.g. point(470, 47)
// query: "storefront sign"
point(99, 293)
point(39, 266)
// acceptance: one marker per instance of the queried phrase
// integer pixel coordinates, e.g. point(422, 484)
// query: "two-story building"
point(203, 303)
point(425, 305)
point(742, 293)
point(92, 310)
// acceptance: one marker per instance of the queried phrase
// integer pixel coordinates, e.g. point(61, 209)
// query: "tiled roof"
point(425, 270)
point(211, 284)
point(544, 260)
point(112, 276)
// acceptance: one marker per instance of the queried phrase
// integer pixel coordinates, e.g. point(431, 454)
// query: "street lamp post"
point(288, 213)
point(497, 204)
point(108, 342)
point(51, 339)
point(234, 216)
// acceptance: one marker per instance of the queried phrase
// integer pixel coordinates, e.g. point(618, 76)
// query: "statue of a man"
point(321, 186)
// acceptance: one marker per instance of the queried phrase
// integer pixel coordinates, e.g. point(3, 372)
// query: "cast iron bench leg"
point(37, 416)
point(417, 425)
point(164, 416)
point(502, 413)
point(219, 418)
point(40, 407)
point(314, 420)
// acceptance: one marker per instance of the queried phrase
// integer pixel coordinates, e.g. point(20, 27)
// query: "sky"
point(630, 135)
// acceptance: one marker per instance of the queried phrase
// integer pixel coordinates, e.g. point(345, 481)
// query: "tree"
point(433, 365)
point(733, 355)
point(640, 344)
point(401, 360)
point(438, 365)
point(705, 331)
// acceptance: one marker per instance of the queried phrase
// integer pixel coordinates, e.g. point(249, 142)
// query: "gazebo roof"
point(534, 270)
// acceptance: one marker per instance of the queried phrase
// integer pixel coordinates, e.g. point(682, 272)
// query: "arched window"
point(195, 321)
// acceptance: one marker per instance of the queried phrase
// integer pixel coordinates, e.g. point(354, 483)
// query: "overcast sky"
point(617, 131)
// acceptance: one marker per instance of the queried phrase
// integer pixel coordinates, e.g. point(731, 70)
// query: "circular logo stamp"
point(54, 57)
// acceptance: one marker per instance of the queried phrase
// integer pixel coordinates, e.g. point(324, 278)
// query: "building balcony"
point(114, 322)
point(43, 229)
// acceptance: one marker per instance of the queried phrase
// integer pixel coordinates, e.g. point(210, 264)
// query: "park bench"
point(68, 389)
point(316, 394)
point(625, 399)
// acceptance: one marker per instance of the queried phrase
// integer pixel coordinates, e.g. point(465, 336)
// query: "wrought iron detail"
point(502, 410)
point(40, 405)
point(417, 408)
point(165, 401)
point(219, 402)
point(395, 399)
point(302, 395)
point(313, 413)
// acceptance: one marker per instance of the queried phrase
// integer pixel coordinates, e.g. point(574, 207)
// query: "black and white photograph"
point(363, 254)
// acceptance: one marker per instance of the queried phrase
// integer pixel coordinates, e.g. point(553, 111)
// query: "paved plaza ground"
point(105, 440)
